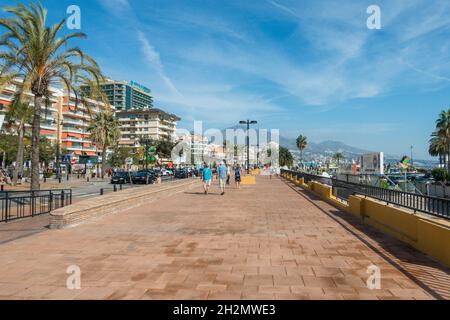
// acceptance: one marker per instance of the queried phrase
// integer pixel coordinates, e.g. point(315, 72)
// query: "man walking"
point(222, 173)
point(207, 178)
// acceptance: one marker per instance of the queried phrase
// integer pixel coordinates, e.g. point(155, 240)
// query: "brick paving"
point(265, 241)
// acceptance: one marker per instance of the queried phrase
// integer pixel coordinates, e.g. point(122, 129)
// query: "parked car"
point(144, 177)
point(121, 178)
point(166, 172)
point(182, 173)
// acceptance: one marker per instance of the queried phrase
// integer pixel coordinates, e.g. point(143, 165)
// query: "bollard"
point(67, 177)
point(59, 179)
point(87, 179)
point(101, 191)
point(45, 179)
point(120, 187)
point(115, 188)
point(78, 176)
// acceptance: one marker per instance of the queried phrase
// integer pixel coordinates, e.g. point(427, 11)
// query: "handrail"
point(436, 206)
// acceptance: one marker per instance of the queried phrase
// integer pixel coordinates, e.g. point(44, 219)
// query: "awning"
point(91, 153)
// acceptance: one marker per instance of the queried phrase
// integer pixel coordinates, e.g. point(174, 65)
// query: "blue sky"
point(310, 67)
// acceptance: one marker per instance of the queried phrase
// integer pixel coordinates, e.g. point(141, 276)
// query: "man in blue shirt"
point(207, 178)
point(222, 172)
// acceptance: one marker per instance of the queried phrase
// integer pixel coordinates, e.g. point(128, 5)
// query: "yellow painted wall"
point(434, 239)
point(423, 232)
point(400, 223)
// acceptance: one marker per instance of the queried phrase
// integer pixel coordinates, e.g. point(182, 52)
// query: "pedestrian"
point(228, 173)
point(207, 177)
point(222, 175)
point(237, 176)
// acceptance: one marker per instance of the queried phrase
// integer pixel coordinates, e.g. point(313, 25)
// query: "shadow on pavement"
point(427, 273)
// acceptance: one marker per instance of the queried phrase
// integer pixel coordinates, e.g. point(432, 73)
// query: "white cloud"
point(122, 9)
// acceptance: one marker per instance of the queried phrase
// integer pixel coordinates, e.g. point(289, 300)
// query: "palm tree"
point(338, 156)
point(286, 158)
point(38, 55)
point(443, 131)
point(301, 143)
point(438, 148)
point(104, 129)
point(19, 114)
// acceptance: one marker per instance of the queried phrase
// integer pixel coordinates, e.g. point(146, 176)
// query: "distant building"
point(63, 121)
point(48, 113)
point(151, 123)
point(199, 149)
point(125, 95)
point(76, 119)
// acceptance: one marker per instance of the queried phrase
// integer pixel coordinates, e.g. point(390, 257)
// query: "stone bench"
point(86, 210)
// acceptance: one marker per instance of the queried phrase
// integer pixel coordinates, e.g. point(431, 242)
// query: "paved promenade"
point(266, 241)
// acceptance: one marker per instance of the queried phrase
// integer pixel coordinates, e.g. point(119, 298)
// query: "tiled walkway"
point(264, 241)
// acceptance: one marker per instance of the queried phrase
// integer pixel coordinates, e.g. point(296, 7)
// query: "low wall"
point(248, 180)
point(426, 233)
point(95, 207)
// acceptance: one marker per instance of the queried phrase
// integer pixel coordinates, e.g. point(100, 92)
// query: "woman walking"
point(237, 176)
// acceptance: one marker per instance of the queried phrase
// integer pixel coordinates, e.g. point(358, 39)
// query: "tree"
point(8, 145)
point(301, 143)
point(338, 156)
point(440, 174)
point(18, 115)
point(38, 55)
point(164, 148)
point(438, 148)
point(104, 129)
point(286, 158)
point(443, 131)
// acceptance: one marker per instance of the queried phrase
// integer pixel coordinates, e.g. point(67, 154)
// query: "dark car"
point(181, 174)
point(121, 178)
point(144, 177)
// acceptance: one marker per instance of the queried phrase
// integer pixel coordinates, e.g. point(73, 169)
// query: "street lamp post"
point(412, 163)
point(248, 123)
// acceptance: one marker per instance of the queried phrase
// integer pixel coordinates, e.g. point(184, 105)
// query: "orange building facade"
point(63, 120)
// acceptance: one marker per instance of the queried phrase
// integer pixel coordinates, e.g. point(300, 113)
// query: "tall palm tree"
point(19, 114)
point(38, 55)
point(338, 156)
point(438, 148)
point(301, 143)
point(104, 129)
point(443, 131)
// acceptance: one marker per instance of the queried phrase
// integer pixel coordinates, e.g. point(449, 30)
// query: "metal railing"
point(439, 207)
point(22, 204)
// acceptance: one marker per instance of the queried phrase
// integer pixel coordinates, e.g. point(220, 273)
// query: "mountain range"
point(324, 148)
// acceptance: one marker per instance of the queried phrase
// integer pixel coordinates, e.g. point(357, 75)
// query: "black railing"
point(22, 204)
point(432, 205)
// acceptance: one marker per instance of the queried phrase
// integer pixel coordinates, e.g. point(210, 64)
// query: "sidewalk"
point(265, 241)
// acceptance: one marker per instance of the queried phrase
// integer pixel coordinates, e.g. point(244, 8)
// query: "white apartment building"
point(149, 123)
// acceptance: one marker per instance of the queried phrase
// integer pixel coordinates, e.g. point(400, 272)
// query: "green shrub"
point(440, 174)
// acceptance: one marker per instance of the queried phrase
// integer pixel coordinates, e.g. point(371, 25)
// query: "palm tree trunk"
point(103, 161)
point(19, 157)
point(301, 157)
point(448, 155)
point(35, 133)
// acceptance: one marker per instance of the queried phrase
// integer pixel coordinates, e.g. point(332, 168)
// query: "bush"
point(440, 174)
